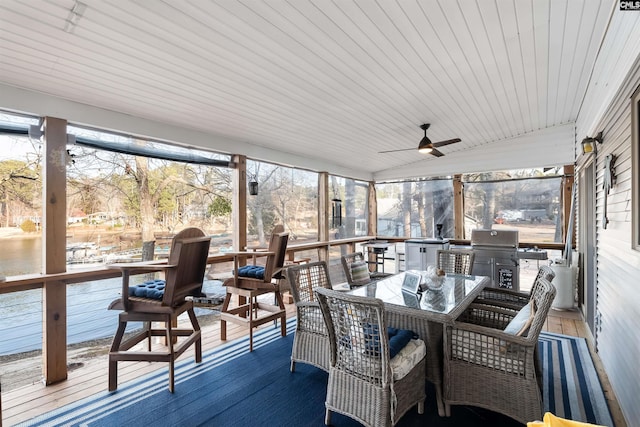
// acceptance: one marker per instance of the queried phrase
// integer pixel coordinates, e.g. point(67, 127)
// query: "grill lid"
point(494, 238)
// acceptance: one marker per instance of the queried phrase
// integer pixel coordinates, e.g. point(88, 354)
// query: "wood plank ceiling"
point(330, 81)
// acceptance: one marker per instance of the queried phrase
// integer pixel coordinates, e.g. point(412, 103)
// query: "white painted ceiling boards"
point(315, 83)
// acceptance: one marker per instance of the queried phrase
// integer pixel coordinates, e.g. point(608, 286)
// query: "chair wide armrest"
point(493, 348)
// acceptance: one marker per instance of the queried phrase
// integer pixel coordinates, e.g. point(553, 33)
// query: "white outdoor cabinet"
point(421, 253)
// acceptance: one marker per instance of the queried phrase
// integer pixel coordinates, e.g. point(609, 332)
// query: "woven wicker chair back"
point(455, 261)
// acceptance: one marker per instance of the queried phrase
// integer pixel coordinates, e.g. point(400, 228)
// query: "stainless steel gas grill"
point(496, 256)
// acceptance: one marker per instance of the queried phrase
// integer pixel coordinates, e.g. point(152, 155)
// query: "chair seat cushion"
point(254, 271)
point(152, 289)
point(362, 357)
point(410, 355)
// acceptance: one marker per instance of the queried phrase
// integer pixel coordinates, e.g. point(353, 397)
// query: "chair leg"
point(283, 317)
point(327, 418)
point(171, 376)
point(293, 366)
point(223, 323)
point(196, 327)
point(170, 343)
point(251, 325)
point(113, 364)
point(147, 327)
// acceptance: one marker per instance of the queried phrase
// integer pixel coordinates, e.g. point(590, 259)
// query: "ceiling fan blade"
point(401, 149)
point(447, 142)
point(436, 153)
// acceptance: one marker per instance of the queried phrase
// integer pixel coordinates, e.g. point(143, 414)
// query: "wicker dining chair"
point(496, 368)
point(365, 382)
point(509, 298)
point(455, 261)
point(356, 270)
point(311, 340)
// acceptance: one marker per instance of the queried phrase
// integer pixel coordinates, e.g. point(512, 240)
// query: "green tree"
point(219, 207)
point(20, 185)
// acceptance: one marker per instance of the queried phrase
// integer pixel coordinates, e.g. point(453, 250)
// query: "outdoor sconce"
point(336, 212)
point(253, 186)
point(589, 144)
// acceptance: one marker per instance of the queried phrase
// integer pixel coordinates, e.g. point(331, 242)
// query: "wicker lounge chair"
point(311, 340)
point(491, 368)
point(365, 383)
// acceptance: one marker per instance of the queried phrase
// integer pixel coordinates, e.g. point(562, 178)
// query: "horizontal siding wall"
point(618, 266)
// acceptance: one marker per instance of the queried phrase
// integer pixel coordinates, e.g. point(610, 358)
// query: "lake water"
point(20, 255)
point(87, 314)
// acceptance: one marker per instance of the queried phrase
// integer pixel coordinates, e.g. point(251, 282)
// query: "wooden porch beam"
point(54, 296)
point(372, 220)
point(567, 187)
point(239, 203)
point(323, 214)
point(458, 207)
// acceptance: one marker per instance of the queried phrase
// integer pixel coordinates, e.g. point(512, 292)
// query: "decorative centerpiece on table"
point(433, 278)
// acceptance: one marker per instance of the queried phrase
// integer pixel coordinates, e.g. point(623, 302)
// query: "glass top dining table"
point(439, 303)
point(426, 313)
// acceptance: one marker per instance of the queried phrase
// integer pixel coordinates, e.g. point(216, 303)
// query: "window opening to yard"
point(348, 209)
point(20, 197)
point(123, 206)
point(527, 200)
point(414, 208)
point(286, 196)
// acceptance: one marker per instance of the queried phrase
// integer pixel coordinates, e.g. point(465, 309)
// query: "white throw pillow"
point(520, 324)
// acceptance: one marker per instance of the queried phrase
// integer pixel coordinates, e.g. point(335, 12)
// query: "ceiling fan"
point(426, 146)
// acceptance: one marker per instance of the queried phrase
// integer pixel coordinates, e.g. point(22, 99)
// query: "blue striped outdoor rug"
point(232, 387)
point(571, 388)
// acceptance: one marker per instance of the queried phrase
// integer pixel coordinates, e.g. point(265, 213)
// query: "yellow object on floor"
point(551, 420)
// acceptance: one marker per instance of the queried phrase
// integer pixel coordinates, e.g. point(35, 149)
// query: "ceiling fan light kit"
point(426, 146)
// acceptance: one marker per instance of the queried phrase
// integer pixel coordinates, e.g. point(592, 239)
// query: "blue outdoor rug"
point(232, 387)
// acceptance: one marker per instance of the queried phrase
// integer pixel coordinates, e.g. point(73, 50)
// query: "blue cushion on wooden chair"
point(153, 289)
point(254, 271)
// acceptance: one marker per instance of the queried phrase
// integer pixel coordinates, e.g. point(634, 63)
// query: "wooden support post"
point(567, 187)
point(458, 207)
point(323, 214)
point(372, 219)
point(240, 203)
point(54, 299)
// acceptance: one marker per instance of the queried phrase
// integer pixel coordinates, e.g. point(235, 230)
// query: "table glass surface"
point(454, 290)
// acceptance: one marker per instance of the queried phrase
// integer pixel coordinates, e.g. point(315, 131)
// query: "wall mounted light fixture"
point(589, 143)
point(253, 185)
point(336, 213)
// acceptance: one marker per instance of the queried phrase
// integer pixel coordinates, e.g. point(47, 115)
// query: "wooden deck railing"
point(52, 352)
point(36, 281)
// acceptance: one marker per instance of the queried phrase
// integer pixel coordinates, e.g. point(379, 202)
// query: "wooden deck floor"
point(29, 401)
